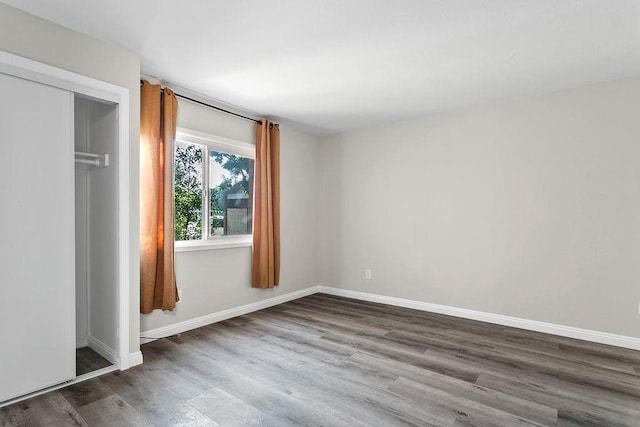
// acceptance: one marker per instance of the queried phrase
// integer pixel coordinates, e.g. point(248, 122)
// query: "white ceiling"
point(337, 65)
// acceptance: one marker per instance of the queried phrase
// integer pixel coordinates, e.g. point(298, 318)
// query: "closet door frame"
point(18, 66)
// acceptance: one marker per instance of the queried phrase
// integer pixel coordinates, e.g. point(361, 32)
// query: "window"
point(213, 178)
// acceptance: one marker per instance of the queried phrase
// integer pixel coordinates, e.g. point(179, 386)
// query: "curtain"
point(158, 116)
point(265, 261)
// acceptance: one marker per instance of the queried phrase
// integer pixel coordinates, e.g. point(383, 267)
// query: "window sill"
point(212, 244)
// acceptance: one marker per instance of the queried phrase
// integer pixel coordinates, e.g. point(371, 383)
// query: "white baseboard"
point(103, 350)
point(135, 359)
point(187, 325)
point(111, 355)
point(498, 319)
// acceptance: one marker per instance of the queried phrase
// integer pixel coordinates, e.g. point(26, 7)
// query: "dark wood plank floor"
point(325, 360)
point(88, 360)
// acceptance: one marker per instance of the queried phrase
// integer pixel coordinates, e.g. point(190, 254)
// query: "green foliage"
point(188, 187)
point(188, 192)
point(239, 178)
point(217, 199)
point(239, 167)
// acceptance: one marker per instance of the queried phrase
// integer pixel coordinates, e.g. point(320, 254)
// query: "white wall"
point(81, 143)
point(102, 232)
point(31, 37)
point(220, 279)
point(528, 209)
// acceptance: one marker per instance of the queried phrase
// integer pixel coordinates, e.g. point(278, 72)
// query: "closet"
point(96, 255)
point(64, 219)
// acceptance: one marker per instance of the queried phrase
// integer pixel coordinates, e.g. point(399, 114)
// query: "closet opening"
point(96, 234)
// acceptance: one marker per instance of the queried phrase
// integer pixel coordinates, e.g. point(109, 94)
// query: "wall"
point(527, 209)
point(215, 280)
point(103, 223)
point(81, 143)
point(34, 38)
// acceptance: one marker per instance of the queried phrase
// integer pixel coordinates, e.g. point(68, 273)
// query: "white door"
point(37, 309)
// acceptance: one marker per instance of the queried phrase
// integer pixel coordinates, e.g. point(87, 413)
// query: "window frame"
point(226, 145)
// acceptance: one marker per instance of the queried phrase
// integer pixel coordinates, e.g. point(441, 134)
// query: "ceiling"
point(336, 65)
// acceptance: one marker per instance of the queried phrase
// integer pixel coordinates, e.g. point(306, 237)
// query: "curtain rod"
point(212, 106)
point(217, 108)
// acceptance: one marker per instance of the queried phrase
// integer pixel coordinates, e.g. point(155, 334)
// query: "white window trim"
point(226, 145)
point(222, 242)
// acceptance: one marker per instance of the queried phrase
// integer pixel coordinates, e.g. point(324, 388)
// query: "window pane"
point(188, 191)
point(231, 194)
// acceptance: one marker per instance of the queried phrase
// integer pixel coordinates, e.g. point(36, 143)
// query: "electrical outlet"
point(367, 274)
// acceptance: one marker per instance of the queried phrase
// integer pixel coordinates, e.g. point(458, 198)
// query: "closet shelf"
point(97, 160)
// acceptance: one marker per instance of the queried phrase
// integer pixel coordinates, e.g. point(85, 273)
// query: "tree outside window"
point(228, 193)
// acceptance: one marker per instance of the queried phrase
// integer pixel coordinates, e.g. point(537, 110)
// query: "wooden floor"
point(324, 360)
point(88, 360)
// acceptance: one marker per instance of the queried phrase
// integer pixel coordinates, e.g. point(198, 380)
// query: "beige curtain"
point(158, 115)
point(265, 263)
